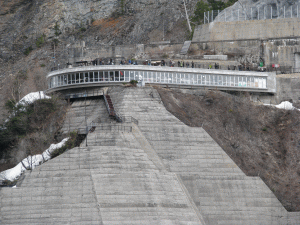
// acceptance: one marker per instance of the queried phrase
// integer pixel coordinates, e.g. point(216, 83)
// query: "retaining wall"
point(248, 30)
point(138, 51)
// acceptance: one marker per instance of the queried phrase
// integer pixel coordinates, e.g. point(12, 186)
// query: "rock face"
point(33, 26)
point(114, 22)
point(24, 21)
point(259, 9)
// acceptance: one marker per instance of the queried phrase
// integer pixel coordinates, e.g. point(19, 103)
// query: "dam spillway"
point(161, 172)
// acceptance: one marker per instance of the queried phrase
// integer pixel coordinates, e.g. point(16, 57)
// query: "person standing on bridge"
point(193, 65)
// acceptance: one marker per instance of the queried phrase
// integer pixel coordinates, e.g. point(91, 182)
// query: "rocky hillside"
point(262, 140)
point(31, 29)
point(137, 21)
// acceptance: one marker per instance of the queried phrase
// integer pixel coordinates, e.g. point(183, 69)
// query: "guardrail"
point(85, 94)
point(129, 119)
point(110, 108)
point(105, 127)
point(210, 64)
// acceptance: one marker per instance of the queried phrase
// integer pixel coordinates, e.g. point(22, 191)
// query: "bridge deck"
point(90, 76)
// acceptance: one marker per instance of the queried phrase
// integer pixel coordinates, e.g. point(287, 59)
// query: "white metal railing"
point(105, 127)
point(235, 79)
point(253, 13)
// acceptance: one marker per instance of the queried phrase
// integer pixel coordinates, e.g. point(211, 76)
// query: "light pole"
point(86, 142)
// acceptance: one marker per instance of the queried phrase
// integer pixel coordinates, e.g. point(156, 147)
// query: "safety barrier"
point(111, 75)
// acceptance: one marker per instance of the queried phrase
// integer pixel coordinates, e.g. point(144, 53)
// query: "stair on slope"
point(185, 47)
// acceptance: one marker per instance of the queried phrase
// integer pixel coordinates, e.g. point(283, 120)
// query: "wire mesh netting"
point(253, 13)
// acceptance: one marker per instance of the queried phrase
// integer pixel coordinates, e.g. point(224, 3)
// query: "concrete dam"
point(160, 171)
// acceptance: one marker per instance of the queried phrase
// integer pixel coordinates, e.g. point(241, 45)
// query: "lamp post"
point(86, 142)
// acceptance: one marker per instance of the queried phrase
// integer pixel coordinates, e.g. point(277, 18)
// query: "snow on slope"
point(30, 162)
point(32, 97)
point(286, 105)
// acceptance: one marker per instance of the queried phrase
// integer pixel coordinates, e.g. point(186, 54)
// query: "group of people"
point(187, 64)
point(171, 63)
point(125, 62)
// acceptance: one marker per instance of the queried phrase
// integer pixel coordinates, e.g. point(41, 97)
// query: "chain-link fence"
point(253, 13)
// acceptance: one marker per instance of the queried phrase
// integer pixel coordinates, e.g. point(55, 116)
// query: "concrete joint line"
point(94, 190)
point(145, 145)
point(190, 200)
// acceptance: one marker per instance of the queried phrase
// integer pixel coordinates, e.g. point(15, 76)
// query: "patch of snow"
point(30, 162)
point(32, 97)
point(285, 105)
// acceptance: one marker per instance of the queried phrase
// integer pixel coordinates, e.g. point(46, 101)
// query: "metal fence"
point(89, 93)
point(129, 119)
point(253, 13)
point(105, 127)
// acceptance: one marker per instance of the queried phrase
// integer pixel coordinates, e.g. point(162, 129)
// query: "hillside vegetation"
point(263, 141)
point(30, 129)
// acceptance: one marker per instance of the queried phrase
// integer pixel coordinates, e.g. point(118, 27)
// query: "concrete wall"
point(139, 51)
point(273, 51)
point(288, 88)
point(78, 53)
point(275, 41)
point(247, 30)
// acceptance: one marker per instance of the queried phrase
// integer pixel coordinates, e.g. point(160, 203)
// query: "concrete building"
point(271, 41)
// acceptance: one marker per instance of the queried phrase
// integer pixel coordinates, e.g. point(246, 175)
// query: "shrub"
point(133, 82)
point(56, 28)
point(8, 183)
point(43, 65)
point(40, 41)
point(73, 141)
point(28, 50)
point(25, 120)
point(202, 7)
point(55, 41)
point(10, 105)
point(165, 56)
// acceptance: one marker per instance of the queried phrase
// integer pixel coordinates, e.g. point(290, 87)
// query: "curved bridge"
point(90, 76)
